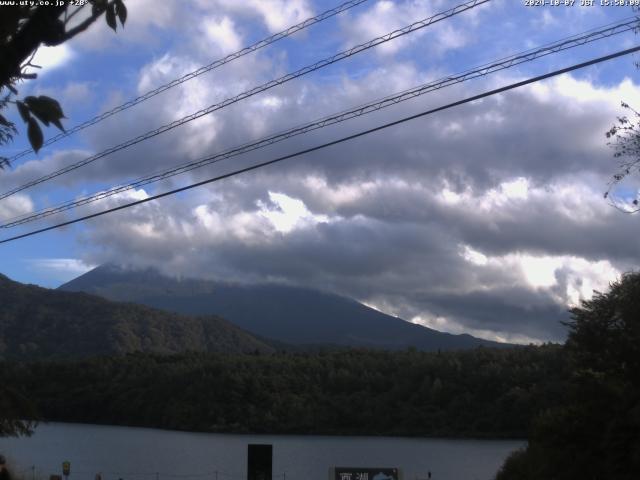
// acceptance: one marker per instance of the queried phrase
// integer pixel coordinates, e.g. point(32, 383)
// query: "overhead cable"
point(486, 69)
point(327, 144)
point(254, 91)
point(205, 69)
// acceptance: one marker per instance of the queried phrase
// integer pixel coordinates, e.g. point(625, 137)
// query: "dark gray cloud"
point(401, 208)
point(486, 218)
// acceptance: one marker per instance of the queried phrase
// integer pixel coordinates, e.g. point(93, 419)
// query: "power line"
point(207, 68)
point(329, 144)
point(576, 40)
point(254, 91)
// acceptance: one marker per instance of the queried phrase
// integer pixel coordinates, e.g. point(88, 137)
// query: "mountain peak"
point(284, 313)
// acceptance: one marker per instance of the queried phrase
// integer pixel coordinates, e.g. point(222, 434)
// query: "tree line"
point(476, 393)
point(578, 403)
point(594, 432)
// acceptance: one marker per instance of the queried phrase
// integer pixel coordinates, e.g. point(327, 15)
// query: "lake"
point(148, 454)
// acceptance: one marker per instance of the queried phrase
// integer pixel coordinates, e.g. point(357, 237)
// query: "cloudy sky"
point(486, 218)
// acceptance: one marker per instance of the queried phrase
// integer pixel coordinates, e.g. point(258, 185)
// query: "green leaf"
point(52, 106)
point(5, 122)
point(111, 16)
point(35, 135)
point(57, 123)
point(23, 110)
point(37, 110)
point(98, 6)
point(46, 109)
point(121, 10)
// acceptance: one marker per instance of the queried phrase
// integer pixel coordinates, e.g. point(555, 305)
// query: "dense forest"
point(38, 323)
point(578, 404)
point(479, 393)
point(594, 432)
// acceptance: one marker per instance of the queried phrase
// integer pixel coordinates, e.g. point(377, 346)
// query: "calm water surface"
point(148, 454)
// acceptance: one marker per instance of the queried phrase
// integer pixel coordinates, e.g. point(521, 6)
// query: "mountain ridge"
point(38, 323)
point(288, 314)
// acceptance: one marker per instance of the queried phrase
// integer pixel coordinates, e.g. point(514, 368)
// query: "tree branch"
point(26, 41)
point(85, 24)
point(30, 36)
point(66, 20)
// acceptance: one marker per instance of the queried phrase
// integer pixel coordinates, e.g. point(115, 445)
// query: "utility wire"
point(486, 69)
point(207, 68)
point(254, 91)
point(332, 143)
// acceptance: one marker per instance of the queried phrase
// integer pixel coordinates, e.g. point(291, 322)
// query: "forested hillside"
point(38, 323)
point(479, 393)
point(594, 432)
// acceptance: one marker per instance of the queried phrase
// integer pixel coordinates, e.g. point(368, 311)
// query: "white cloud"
point(569, 279)
point(144, 18)
point(386, 16)
point(160, 70)
point(279, 14)
point(486, 219)
point(222, 33)
point(288, 213)
point(509, 191)
point(473, 256)
point(539, 272)
point(14, 206)
point(60, 269)
point(381, 220)
point(246, 227)
point(579, 96)
point(444, 324)
point(276, 14)
point(51, 58)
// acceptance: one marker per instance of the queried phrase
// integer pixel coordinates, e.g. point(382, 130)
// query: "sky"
point(487, 218)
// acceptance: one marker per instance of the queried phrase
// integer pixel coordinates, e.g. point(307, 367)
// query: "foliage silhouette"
point(472, 393)
point(24, 27)
point(595, 433)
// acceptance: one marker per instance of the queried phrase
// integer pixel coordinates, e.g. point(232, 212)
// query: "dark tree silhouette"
point(470, 393)
point(624, 138)
point(23, 29)
point(14, 408)
point(596, 432)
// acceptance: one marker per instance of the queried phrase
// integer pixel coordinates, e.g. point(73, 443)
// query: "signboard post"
point(259, 462)
point(368, 473)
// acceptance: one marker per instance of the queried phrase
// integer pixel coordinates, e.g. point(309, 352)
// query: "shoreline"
point(281, 434)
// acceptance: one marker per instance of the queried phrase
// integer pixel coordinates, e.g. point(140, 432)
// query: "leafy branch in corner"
point(7, 131)
point(23, 29)
point(624, 138)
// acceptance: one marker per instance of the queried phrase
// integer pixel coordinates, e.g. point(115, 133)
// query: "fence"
point(38, 473)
